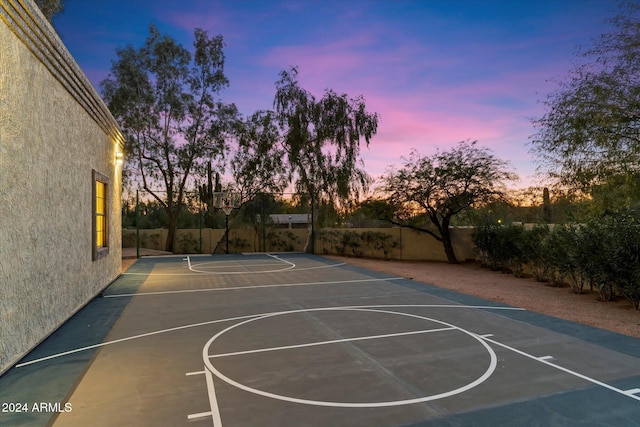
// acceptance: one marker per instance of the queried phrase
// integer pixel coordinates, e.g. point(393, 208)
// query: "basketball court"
point(300, 340)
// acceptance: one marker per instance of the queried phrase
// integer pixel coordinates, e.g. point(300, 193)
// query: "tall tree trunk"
point(448, 245)
point(171, 232)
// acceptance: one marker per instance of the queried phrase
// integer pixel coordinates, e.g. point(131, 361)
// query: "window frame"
point(99, 251)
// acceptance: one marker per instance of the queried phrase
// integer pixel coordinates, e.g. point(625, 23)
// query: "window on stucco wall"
point(100, 215)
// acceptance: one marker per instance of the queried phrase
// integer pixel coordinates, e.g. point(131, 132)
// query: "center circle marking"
point(204, 268)
point(491, 368)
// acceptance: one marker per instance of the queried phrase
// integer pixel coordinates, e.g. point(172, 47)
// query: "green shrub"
point(623, 258)
point(532, 245)
point(490, 244)
point(500, 247)
point(603, 252)
point(574, 254)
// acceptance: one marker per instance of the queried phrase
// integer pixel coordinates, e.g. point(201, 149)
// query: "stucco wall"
point(49, 145)
point(400, 243)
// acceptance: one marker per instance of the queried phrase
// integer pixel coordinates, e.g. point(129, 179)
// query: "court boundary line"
point(249, 316)
point(231, 288)
point(544, 360)
point(214, 413)
point(213, 400)
point(119, 340)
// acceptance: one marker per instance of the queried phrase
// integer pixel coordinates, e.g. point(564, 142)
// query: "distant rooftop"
point(290, 218)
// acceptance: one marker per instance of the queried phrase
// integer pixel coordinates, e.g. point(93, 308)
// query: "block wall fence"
point(391, 243)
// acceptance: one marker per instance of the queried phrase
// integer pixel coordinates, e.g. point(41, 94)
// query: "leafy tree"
point(257, 165)
point(311, 143)
point(590, 134)
point(165, 100)
point(321, 140)
point(369, 213)
point(444, 185)
point(50, 8)
point(256, 213)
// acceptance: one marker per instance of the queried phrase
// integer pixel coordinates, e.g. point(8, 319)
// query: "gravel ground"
point(472, 279)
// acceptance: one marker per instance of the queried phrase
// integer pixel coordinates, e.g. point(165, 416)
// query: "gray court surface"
point(300, 340)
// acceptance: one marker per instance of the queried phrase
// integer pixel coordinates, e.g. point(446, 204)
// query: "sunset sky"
point(436, 71)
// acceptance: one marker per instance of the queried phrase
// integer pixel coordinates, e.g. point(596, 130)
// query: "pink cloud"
point(419, 107)
point(426, 124)
point(319, 65)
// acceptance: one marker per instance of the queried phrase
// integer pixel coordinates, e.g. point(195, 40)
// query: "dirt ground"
point(472, 279)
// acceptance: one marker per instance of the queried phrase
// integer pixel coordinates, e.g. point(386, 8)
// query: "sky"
point(437, 72)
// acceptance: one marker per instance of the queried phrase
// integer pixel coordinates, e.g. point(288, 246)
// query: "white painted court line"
point(232, 262)
point(206, 272)
point(235, 288)
point(213, 400)
point(317, 343)
point(491, 368)
point(569, 371)
point(290, 266)
point(318, 267)
point(231, 319)
point(214, 413)
point(199, 415)
point(545, 358)
point(235, 265)
point(148, 334)
point(634, 391)
point(280, 259)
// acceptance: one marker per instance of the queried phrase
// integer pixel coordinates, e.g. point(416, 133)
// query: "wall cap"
point(28, 23)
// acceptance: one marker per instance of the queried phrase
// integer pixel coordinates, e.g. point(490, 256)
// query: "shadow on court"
point(295, 339)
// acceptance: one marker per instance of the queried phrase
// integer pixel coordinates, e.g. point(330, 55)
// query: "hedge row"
point(602, 253)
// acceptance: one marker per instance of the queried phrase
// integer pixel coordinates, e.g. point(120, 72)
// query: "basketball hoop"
point(227, 201)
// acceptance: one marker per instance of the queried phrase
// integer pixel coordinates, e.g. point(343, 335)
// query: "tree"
point(311, 143)
point(257, 165)
point(444, 185)
point(50, 8)
point(321, 140)
point(590, 133)
point(165, 100)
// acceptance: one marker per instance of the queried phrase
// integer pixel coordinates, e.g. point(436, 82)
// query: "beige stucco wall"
point(49, 145)
point(403, 244)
